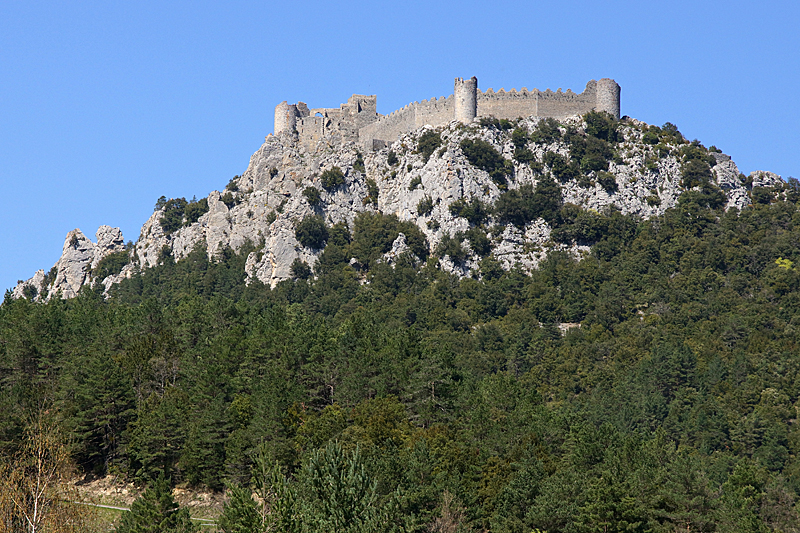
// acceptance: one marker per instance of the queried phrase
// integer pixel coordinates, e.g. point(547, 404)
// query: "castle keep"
point(358, 120)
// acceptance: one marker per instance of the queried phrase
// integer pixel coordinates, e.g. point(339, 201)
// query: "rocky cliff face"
point(644, 177)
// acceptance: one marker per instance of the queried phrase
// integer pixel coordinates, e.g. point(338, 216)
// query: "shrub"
point(546, 131)
point(332, 178)
point(358, 166)
point(391, 158)
point(300, 269)
point(475, 211)
point(372, 193)
point(427, 143)
point(762, 195)
point(560, 167)
point(651, 135)
point(232, 186)
point(520, 139)
point(273, 172)
point(228, 199)
point(339, 234)
point(452, 247)
point(523, 205)
point(312, 232)
point(425, 206)
point(492, 122)
point(272, 217)
point(601, 125)
point(415, 182)
point(374, 233)
point(607, 181)
point(695, 173)
point(172, 219)
point(484, 156)
point(111, 265)
point(312, 195)
point(194, 210)
point(478, 241)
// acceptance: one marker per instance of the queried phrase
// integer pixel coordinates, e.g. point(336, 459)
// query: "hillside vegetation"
point(671, 407)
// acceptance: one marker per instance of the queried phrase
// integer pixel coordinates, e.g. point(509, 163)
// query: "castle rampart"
point(358, 120)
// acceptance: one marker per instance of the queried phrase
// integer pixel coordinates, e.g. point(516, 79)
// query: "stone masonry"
point(358, 119)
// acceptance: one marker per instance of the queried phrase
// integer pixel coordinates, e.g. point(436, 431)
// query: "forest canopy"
point(650, 386)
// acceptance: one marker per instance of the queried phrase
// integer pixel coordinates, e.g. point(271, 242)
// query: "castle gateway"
point(358, 120)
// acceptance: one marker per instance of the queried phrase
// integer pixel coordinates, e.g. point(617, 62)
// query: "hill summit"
point(463, 192)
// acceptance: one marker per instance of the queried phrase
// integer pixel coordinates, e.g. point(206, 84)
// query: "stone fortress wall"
point(358, 119)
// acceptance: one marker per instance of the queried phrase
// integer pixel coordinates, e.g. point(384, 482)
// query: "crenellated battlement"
point(358, 120)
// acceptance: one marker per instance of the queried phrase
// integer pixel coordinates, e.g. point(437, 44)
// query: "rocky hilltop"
point(493, 175)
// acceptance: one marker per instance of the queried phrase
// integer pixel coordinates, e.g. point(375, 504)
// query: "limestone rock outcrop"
point(262, 207)
point(76, 266)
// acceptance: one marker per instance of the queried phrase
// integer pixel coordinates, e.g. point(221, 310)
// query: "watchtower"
point(465, 94)
point(608, 96)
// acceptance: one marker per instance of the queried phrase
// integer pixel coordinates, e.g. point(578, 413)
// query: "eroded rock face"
point(268, 202)
point(79, 257)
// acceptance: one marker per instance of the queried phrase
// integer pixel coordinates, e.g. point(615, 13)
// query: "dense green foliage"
point(332, 178)
point(312, 195)
point(484, 156)
point(111, 265)
point(178, 212)
point(311, 232)
point(427, 143)
point(155, 511)
point(471, 403)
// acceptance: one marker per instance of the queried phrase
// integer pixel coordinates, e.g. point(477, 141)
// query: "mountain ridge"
point(645, 173)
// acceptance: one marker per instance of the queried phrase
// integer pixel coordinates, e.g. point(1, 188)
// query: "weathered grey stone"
point(270, 203)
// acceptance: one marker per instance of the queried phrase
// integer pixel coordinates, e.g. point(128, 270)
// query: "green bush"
point(425, 206)
point(332, 178)
point(312, 232)
point(339, 234)
point(427, 143)
point(194, 210)
point(478, 241)
point(172, 219)
point(484, 156)
point(391, 158)
point(358, 166)
point(601, 125)
point(523, 205)
point(475, 211)
point(607, 181)
point(232, 186)
point(695, 173)
point(372, 193)
point(313, 196)
point(111, 265)
point(520, 139)
point(228, 199)
point(560, 168)
point(452, 247)
point(300, 269)
point(374, 233)
point(415, 182)
point(546, 131)
point(501, 124)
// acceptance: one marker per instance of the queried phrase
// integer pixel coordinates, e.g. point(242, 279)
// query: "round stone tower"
point(465, 94)
point(285, 117)
point(608, 96)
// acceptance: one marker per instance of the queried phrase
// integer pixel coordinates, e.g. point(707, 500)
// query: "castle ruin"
point(358, 119)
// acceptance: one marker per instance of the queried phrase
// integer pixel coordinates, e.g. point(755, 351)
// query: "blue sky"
point(105, 106)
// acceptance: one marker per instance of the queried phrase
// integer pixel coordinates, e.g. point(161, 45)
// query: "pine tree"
point(241, 513)
point(156, 511)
